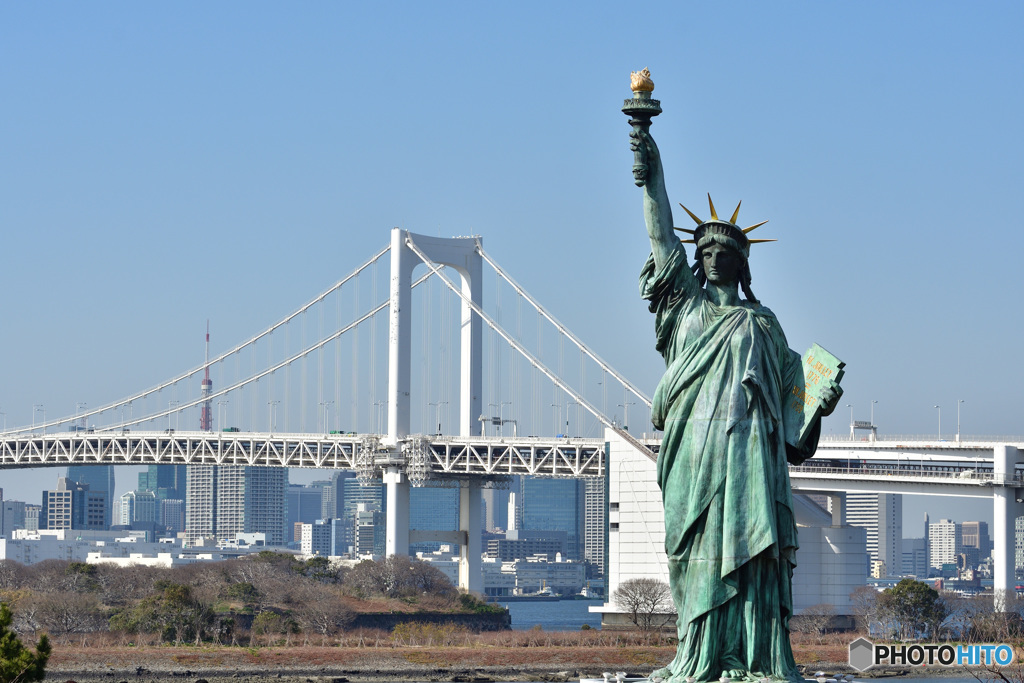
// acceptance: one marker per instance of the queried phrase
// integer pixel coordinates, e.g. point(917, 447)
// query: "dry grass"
point(417, 647)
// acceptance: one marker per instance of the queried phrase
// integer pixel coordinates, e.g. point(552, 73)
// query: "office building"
point(305, 503)
point(519, 544)
point(172, 514)
point(138, 506)
point(72, 505)
point(166, 482)
point(315, 538)
point(368, 537)
point(12, 516)
point(333, 502)
point(323, 537)
point(881, 517)
point(226, 500)
point(976, 542)
point(432, 509)
point(100, 478)
point(169, 478)
point(495, 501)
point(555, 504)
point(354, 494)
point(915, 558)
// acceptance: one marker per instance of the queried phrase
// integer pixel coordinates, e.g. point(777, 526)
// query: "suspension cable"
point(226, 354)
point(506, 336)
point(264, 373)
point(563, 329)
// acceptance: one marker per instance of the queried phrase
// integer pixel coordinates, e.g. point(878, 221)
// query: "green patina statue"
point(730, 533)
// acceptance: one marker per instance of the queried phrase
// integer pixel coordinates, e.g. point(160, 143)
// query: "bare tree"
point(864, 600)
point(12, 575)
point(322, 611)
point(815, 620)
point(63, 613)
point(119, 586)
point(648, 602)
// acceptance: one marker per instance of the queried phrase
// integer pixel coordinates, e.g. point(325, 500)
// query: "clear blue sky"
point(164, 164)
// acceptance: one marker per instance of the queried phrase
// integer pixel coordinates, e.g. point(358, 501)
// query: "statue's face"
point(721, 264)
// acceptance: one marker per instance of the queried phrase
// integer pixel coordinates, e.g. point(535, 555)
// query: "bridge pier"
point(462, 255)
point(1006, 509)
point(470, 525)
point(396, 539)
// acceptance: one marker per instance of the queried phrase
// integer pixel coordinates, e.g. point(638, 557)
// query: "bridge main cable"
point(562, 328)
point(221, 357)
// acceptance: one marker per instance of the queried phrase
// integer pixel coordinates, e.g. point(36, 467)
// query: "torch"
point(640, 109)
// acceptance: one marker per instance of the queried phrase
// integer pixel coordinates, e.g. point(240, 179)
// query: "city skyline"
point(156, 163)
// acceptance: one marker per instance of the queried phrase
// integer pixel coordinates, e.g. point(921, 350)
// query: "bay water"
point(561, 615)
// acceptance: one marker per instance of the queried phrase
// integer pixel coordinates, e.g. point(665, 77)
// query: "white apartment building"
point(226, 500)
point(595, 524)
point(945, 542)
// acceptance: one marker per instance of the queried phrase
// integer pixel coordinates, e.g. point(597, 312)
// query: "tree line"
point(268, 596)
point(909, 610)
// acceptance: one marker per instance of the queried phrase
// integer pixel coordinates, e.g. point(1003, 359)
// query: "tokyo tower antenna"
point(206, 415)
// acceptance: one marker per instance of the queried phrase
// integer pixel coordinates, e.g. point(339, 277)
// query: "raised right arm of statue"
point(657, 210)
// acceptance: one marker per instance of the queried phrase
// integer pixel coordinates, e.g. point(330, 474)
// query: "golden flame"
point(640, 81)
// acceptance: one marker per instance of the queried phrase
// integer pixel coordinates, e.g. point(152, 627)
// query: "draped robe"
point(730, 534)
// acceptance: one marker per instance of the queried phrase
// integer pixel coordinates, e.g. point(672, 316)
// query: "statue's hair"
point(744, 274)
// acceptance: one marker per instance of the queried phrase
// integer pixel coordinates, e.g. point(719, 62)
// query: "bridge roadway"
point(422, 457)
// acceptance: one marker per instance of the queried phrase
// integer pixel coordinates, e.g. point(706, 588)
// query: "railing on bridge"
point(944, 474)
point(946, 440)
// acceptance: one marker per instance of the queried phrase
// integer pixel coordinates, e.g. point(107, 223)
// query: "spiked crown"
point(726, 233)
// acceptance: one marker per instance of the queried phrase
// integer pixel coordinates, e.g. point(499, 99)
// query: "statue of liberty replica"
point(731, 385)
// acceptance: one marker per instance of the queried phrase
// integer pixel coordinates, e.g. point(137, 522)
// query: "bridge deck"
point(429, 456)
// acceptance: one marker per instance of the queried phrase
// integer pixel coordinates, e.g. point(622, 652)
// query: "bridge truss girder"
point(424, 458)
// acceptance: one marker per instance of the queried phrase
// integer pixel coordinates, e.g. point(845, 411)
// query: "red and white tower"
point(206, 415)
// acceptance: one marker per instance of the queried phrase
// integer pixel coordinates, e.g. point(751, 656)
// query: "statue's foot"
point(662, 674)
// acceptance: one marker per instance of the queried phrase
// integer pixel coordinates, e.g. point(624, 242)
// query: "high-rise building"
point(354, 494)
point(315, 538)
point(73, 506)
point(368, 538)
point(226, 500)
point(333, 502)
point(945, 542)
point(138, 506)
point(12, 516)
point(976, 541)
point(595, 523)
point(33, 513)
point(432, 509)
point(495, 509)
point(305, 503)
point(915, 557)
point(556, 504)
point(100, 478)
point(172, 514)
point(167, 481)
point(881, 517)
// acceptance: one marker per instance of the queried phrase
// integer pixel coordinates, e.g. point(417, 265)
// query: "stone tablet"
point(803, 407)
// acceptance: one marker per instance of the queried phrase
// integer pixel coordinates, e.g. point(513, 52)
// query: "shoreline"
point(311, 664)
